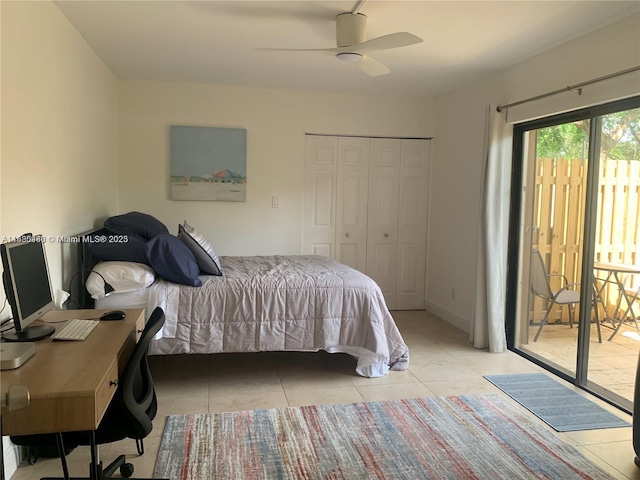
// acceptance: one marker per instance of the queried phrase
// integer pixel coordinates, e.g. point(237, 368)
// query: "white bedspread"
point(278, 303)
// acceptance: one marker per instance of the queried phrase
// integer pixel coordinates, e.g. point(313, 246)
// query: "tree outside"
point(620, 138)
point(562, 152)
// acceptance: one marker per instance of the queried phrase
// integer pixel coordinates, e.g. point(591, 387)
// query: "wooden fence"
point(560, 187)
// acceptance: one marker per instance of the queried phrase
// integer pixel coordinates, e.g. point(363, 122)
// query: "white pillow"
point(122, 276)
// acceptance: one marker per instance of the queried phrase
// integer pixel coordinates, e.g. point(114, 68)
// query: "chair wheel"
point(126, 470)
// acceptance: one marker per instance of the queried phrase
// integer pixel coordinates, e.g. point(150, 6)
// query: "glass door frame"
point(515, 242)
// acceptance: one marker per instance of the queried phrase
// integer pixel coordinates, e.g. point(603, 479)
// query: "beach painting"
point(208, 163)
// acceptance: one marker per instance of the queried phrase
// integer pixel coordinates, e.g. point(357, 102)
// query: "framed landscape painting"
point(208, 163)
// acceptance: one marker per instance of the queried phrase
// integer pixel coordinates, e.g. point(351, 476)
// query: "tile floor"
point(442, 363)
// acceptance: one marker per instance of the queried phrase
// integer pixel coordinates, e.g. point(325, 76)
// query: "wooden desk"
point(71, 382)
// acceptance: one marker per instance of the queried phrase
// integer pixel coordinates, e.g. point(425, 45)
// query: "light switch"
point(275, 201)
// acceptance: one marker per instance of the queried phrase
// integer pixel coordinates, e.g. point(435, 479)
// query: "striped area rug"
point(467, 437)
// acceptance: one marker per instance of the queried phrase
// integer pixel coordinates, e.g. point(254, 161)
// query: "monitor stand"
point(30, 334)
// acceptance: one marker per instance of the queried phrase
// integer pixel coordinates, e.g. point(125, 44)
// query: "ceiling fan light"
point(350, 57)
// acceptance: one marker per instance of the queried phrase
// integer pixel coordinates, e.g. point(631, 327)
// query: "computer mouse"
point(113, 315)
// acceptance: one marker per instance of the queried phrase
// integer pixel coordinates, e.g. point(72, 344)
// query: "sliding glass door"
point(557, 167)
point(575, 239)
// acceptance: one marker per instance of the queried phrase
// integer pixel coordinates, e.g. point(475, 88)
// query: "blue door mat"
point(563, 409)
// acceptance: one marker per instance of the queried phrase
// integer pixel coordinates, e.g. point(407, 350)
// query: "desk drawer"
point(106, 390)
point(129, 344)
point(140, 323)
point(82, 411)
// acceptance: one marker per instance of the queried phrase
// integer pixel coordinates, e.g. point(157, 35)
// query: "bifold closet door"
point(320, 193)
point(365, 205)
point(351, 202)
point(412, 224)
point(382, 232)
point(337, 170)
point(397, 220)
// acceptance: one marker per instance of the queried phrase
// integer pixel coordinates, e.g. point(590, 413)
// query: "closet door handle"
point(386, 235)
point(347, 235)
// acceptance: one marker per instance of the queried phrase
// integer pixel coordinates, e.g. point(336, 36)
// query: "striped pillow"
point(206, 256)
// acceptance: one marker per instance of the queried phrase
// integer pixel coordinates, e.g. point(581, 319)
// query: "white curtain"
point(488, 324)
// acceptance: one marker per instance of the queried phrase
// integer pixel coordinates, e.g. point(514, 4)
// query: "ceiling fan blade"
point(386, 42)
point(330, 51)
point(393, 40)
point(372, 67)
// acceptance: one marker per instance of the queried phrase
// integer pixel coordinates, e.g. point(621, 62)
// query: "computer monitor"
point(28, 288)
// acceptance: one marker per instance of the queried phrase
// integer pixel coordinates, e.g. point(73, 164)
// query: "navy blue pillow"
point(136, 223)
point(172, 260)
point(133, 250)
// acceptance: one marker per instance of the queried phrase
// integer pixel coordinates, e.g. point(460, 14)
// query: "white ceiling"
point(217, 41)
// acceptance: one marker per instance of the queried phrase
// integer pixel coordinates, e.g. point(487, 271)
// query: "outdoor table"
point(615, 273)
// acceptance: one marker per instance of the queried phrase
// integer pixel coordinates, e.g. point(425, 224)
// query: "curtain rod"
point(365, 136)
point(577, 86)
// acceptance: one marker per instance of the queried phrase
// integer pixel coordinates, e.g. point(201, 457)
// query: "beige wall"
point(276, 122)
point(59, 136)
point(59, 130)
point(460, 139)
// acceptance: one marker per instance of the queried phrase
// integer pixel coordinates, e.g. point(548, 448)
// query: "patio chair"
point(541, 287)
point(632, 296)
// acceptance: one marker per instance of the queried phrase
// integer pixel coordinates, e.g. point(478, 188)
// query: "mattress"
point(160, 294)
point(276, 303)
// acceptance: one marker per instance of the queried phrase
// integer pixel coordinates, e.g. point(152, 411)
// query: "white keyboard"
point(75, 329)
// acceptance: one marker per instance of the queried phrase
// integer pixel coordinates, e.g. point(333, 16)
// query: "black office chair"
point(129, 415)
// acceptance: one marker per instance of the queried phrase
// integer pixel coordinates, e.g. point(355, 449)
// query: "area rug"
point(563, 409)
point(468, 437)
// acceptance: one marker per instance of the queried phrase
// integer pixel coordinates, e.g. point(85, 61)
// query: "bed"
point(264, 303)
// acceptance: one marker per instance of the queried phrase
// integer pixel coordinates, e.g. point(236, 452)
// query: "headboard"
point(86, 262)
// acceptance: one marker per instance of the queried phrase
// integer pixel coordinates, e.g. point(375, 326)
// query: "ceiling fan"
point(353, 48)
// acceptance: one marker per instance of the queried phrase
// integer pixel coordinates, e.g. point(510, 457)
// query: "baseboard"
point(448, 316)
point(12, 455)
